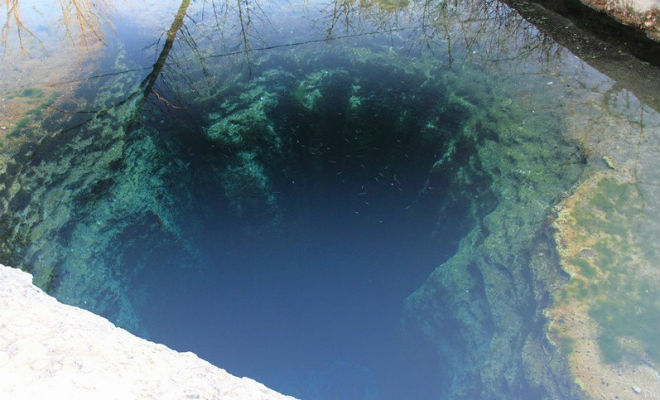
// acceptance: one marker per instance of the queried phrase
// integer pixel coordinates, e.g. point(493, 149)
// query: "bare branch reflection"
point(12, 15)
point(215, 35)
point(82, 20)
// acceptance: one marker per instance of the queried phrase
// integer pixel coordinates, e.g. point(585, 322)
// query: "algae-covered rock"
point(606, 318)
point(482, 309)
point(87, 186)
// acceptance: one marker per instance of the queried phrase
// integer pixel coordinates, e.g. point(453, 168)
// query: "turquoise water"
point(272, 186)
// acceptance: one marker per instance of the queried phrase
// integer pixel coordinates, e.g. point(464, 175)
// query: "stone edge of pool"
point(52, 350)
point(631, 26)
point(641, 15)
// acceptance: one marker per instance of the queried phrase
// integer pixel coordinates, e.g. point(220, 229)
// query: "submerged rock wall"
point(51, 350)
point(482, 310)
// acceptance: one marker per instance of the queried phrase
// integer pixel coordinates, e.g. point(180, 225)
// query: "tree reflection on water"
point(483, 32)
point(196, 52)
point(82, 21)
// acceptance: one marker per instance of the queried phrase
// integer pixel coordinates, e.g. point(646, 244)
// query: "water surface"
point(266, 183)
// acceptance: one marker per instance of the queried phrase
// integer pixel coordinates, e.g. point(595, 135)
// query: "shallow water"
point(267, 184)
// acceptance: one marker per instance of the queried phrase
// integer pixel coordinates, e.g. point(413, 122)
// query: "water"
point(340, 200)
point(262, 295)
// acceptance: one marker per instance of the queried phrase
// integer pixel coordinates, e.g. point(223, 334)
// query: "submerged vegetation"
point(607, 315)
point(609, 310)
point(619, 287)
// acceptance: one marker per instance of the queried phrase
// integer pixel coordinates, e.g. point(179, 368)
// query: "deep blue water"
point(314, 313)
point(307, 295)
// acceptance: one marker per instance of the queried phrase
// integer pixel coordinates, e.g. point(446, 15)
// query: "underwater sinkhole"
point(313, 206)
point(347, 202)
point(277, 227)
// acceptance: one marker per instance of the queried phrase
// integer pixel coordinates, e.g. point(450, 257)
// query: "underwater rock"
point(482, 309)
point(51, 350)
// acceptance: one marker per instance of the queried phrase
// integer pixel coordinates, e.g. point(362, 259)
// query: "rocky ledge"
point(623, 26)
point(640, 14)
point(52, 350)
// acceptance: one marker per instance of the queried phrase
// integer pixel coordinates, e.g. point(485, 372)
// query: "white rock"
point(55, 351)
point(637, 389)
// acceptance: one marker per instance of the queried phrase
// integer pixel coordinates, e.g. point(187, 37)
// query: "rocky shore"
point(627, 26)
point(52, 350)
point(639, 14)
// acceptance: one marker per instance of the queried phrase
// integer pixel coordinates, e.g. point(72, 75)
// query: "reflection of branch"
point(146, 87)
point(245, 25)
point(228, 54)
point(165, 101)
point(150, 80)
point(13, 14)
point(86, 16)
point(81, 19)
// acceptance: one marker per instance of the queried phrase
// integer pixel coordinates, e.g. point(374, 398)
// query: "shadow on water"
point(273, 183)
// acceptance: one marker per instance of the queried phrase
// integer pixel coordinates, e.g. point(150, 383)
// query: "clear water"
point(265, 184)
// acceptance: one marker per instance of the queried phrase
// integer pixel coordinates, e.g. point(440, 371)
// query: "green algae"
point(18, 128)
point(308, 92)
point(75, 213)
point(31, 92)
point(521, 154)
point(587, 270)
point(630, 316)
point(279, 116)
point(27, 125)
point(44, 105)
point(629, 307)
point(616, 286)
